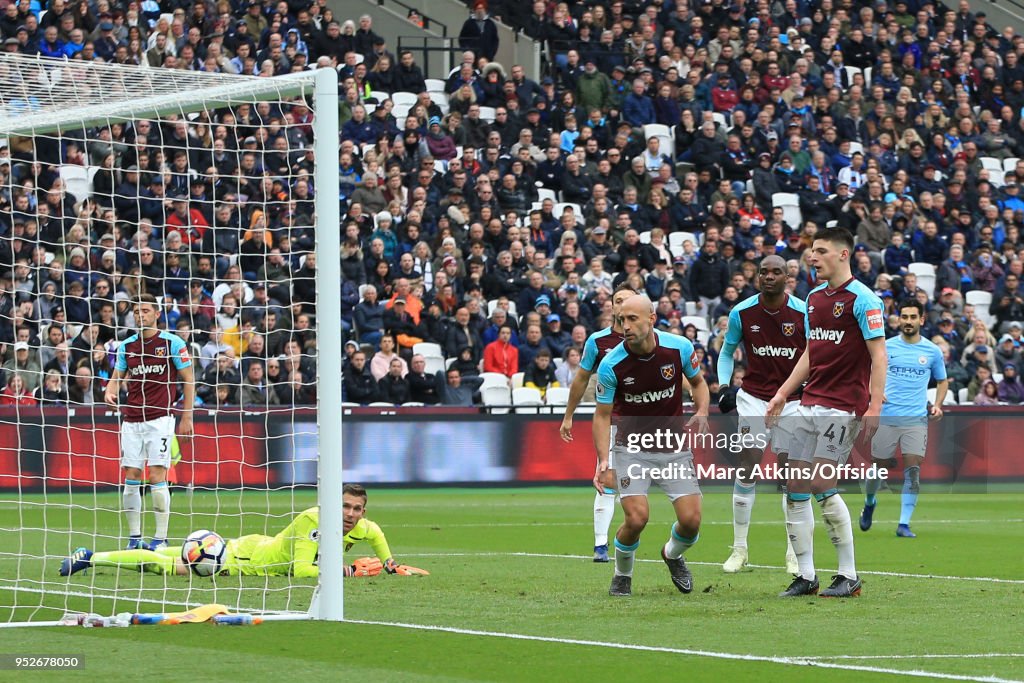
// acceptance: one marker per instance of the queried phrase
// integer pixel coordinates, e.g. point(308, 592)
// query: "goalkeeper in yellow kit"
point(292, 552)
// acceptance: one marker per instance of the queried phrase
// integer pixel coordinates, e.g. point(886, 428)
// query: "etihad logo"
point(773, 351)
point(651, 396)
point(818, 334)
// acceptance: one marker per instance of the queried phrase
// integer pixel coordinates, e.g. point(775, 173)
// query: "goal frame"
point(328, 595)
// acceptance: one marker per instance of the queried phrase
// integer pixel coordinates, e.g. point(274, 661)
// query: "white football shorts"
point(148, 442)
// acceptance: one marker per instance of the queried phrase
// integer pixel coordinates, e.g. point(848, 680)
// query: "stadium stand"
point(898, 122)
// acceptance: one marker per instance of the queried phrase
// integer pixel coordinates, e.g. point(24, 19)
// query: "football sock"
point(604, 510)
point(785, 517)
point(161, 508)
point(871, 485)
point(800, 523)
point(131, 499)
point(908, 498)
point(742, 504)
point(840, 530)
point(678, 544)
point(139, 560)
point(624, 557)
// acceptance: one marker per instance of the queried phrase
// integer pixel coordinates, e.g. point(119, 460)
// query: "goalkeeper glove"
point(406, 570)
point(364, 566)
point(390, 566)
point(726, 400)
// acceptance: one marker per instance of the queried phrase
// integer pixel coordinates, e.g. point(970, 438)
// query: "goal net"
point(214, 194)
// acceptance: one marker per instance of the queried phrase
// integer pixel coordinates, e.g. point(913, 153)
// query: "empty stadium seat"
point(790, 204)
point(404, 98)
point(981, 302)
point(526, 397)
point(493, 379)
point(557, 396)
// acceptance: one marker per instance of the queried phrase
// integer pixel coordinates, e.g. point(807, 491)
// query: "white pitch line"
point(979, 655)
point(904, 575)
point(442, 525)
point(792, 661)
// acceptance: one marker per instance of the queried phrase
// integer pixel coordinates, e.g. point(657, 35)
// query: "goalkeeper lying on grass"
point(292, 552)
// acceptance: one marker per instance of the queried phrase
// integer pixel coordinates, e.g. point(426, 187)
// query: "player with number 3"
point(149, 364)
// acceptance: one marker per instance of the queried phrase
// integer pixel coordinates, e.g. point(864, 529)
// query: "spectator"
point(16, 393)
point(531, 345)
point(461, 335)
point(380, 365)
point(358, 384)
point(52, 392)
point(988, 394)
point(25, 366)
point(423, 388)
point(566, 373)
point(1007, 353)
point(479, 33)
point(540, 374)
point(458, 390)
point(393, 387)
point(501, 355)
point(1011, 390)
point(84, 391)
point(255, 391)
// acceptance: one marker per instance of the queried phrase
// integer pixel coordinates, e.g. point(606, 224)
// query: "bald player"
point(597, 345)
point(641, 381)
point(770, 325)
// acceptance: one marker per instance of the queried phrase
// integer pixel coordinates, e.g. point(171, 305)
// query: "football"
point(203, 552)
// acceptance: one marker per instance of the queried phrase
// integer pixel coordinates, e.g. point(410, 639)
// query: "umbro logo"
point(628, 380)
point(755, 328)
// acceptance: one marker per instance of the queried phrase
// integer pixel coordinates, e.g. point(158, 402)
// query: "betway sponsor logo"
point(651, 396)
point(774, 351)
point(818, 334)
point(145, 370)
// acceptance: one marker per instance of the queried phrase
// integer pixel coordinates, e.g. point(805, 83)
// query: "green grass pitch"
point(517, 562)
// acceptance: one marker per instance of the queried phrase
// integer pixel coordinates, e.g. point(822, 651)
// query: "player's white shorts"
point(751, 411)
point(147, 442)
point(911, 440)
point(821, 432)
point(674, 473)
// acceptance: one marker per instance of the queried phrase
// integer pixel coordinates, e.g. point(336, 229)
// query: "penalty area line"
point(789, 661)
point(903, 575)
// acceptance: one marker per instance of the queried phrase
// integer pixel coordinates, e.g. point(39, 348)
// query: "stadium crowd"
point(488, 213)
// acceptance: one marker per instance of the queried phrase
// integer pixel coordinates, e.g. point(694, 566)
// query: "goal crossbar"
point(42, 95)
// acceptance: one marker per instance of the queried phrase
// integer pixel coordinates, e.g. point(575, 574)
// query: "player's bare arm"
point(879, 366)
point(701, 402)
point(796, 378)
point(941, 387)
point(113, 390)
point(576, 391)
point(188, 378)
point(602, 435)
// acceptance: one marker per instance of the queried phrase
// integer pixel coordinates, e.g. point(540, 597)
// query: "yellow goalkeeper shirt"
point(294, 550)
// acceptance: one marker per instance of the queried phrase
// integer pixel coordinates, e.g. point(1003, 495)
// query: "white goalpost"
point(217, 194)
